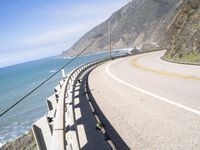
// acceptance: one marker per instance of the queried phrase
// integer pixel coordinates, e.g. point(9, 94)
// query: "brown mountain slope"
point(138, 22)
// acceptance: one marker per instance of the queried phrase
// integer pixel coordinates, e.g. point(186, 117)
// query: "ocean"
point(18, 80)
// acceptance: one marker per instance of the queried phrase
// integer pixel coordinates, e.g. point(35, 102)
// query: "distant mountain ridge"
point(138, 23)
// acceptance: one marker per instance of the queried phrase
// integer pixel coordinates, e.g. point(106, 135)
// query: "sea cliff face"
point(140, 22)
point(25, 142)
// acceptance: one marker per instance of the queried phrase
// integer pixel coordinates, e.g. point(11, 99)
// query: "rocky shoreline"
point(25, 142)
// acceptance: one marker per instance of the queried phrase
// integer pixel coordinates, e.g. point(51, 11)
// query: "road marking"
point(135, 64)
point(151, 94)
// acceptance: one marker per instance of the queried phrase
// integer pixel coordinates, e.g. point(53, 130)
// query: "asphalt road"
point(151, 103)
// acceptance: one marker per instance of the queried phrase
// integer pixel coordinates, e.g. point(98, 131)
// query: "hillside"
point(25, 142)
point(137, 23)
point(183, 35)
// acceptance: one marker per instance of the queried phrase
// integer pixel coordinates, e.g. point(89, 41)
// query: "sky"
point(34, 29)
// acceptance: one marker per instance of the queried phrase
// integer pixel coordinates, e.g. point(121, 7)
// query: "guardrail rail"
point(50, 131)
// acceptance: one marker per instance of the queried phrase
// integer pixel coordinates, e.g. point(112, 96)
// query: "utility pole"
point(109, 28)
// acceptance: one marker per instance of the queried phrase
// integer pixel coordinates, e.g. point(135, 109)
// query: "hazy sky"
point(33, 29)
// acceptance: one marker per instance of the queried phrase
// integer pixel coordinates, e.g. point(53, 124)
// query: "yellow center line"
point(135, 64)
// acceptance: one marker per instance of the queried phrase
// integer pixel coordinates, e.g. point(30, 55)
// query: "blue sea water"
point(18, 80)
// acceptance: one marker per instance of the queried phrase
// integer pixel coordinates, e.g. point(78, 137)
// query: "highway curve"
point(152, 104)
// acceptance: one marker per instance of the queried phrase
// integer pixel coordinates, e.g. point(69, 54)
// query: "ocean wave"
point(101, 52)
point(64, 57)
point(53, 71)
point(15, 130)
point(1, 144)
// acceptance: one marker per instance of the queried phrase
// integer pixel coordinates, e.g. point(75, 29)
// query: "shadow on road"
point(111, 133)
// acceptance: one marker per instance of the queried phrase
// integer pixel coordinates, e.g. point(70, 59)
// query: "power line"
point(20, 100)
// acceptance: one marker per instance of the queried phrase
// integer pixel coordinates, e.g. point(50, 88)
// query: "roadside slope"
point(25, 142)
point(183, 36)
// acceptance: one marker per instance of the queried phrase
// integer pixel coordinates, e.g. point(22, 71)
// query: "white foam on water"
point(1, 144)
point(53, 71)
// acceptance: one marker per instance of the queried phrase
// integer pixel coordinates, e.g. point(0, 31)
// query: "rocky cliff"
point(25, 142)
point(183, 35)
point(137, 23)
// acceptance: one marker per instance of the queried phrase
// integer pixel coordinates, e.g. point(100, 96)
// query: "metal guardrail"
point(58, 140)
point(53, 136)
point(57, 122)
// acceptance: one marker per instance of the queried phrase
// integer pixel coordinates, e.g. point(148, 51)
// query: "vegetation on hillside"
point(183, 36)
point(25, 142)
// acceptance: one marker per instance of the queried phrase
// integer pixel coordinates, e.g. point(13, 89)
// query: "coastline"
point(14, 127)
point(24, 142)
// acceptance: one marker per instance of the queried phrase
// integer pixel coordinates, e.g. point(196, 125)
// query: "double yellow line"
point(135, 64)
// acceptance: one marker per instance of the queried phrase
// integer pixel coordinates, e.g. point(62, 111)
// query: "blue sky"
point(33, 29)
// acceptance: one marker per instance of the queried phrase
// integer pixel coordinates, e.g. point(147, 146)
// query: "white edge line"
point(151, 94)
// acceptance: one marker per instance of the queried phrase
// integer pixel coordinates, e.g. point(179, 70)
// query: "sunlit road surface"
point(151, 103)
